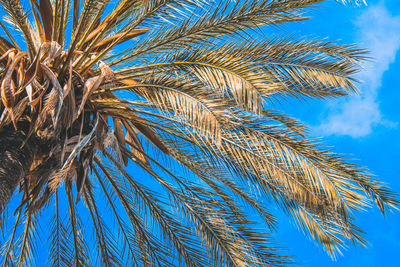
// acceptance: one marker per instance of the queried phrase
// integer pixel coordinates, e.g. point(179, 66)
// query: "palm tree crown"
point(183, 89)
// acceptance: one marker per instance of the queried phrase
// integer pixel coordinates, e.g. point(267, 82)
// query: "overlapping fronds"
point(156, 139)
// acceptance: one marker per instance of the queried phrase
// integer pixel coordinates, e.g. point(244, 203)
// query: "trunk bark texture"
point(15, 161)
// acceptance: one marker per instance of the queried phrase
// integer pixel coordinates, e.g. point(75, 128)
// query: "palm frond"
point(149, 253)
point(26, 254)
point(7, 250)
point(105, 242)
point(60, 250)
point(80, 252)
point(223, 18)
point(18, 18)
point(357, 2)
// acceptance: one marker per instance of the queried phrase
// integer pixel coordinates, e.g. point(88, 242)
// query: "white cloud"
point(378, 31)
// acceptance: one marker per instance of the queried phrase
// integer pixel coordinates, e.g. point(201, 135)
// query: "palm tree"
point(183, 89)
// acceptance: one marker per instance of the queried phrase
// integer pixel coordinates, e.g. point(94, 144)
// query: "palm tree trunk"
point(14, 162)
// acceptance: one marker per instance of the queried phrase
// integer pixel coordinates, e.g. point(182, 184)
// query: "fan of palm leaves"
point(149, 125)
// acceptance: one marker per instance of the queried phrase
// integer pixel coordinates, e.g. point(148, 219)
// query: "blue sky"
point(365, 127)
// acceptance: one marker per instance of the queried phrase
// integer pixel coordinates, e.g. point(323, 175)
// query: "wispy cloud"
point(378, 31)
